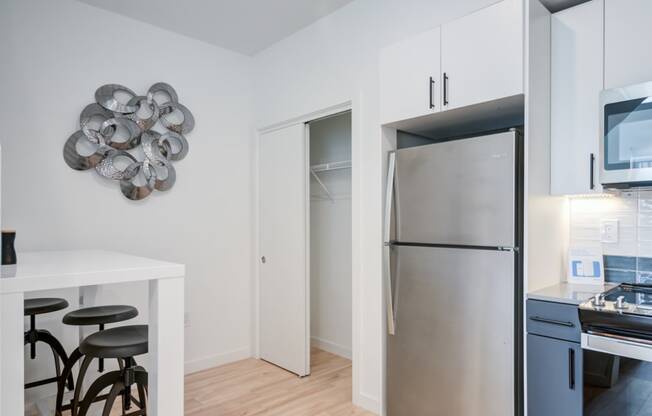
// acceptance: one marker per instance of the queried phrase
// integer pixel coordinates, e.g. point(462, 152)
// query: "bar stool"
point(39, 306)
point(123, 343)
point(96, 315)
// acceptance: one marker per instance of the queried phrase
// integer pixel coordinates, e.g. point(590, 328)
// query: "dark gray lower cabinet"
point(554, 375)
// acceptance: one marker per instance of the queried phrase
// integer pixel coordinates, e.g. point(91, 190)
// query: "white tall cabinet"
point(628, 57)
point(577, 51)
point(482, 55)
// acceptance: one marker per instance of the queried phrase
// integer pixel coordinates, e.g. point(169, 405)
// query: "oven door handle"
point(637, 349)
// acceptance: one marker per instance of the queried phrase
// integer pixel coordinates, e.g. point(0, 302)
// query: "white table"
point(86, 269)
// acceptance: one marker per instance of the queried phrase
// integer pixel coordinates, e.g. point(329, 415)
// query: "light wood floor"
point(253, 387)
point(256, 388)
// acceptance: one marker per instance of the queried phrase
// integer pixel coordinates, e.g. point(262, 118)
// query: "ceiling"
point(244, 26)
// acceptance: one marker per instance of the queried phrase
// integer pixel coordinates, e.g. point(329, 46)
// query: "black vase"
point(8, 250)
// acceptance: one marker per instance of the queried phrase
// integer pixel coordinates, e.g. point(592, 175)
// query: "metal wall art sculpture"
point(132, 138)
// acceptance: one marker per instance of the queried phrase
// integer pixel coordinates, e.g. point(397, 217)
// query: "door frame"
point(356, 135)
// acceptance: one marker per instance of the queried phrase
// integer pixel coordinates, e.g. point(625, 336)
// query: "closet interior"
point(330, 234)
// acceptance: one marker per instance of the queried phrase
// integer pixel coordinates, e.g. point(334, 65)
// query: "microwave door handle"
point(592, 171)
point(387, 249)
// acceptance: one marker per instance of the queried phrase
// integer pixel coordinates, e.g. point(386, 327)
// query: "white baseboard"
point(331, 347)
point(205, 363)
point(367, 402)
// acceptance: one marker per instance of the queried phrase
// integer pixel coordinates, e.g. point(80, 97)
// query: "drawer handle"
point(552, 321)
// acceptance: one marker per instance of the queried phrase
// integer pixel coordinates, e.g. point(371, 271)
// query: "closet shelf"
point(327, 167)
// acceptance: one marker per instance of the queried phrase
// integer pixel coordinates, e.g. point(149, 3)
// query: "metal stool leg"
point(80, 385)
point(106, 380)
point(67, 371)
point(33, 337)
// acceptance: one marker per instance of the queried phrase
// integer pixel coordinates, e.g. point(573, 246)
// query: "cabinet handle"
point(431, 86)
point(592, 171)
point(571, 368)
point(552, 321)
point(445, 86)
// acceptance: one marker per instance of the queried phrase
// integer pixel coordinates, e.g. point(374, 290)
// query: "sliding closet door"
point(284, 299)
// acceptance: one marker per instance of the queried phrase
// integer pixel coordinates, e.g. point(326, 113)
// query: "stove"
point(616, 341)
point(625, 310)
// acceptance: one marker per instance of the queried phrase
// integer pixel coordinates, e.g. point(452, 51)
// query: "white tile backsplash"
point(633, 210)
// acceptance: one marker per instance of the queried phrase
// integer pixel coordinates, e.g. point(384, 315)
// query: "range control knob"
point(598, 300)
point(620, 302)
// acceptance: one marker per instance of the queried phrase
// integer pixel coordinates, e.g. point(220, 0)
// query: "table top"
point(47, 270)
point(570, 293)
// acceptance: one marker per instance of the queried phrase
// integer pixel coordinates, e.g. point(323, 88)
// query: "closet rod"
point(325, 167)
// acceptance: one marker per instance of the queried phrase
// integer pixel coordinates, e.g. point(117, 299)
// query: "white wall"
point(333, 61)
point(54, 55)
point(330, 238)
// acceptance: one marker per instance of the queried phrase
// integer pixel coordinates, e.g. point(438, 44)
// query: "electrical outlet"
point(609, 231)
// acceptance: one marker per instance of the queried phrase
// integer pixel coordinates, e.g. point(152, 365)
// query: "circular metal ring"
point(152, 147)
point(77, 161)
point(166, 183)
point(134, 192)
point(105, 96)
point(144, 123)
point(183, 145)
point(87, 114)
point(108, 133)
point(107, 169)
point(185, 126)
point(162, 87)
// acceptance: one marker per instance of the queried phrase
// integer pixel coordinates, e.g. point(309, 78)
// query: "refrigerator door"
point(460, 192)
point(453, 348)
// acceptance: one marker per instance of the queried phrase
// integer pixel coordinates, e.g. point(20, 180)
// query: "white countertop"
point(47, 270)
point(569, 293)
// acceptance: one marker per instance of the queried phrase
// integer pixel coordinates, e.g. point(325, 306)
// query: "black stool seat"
point(100, 315)
point(39, 306)
point(119, 342)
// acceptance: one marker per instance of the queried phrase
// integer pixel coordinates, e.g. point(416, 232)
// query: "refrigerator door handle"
point(387, 267)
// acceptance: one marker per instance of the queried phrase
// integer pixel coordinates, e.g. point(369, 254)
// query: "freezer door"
point(453, 348)
point(460, 192)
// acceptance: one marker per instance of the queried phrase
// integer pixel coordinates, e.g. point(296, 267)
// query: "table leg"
point(166, 347)
point(12, 400)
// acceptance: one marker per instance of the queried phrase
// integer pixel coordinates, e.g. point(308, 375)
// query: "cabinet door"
point(577, 78)
point(628, 59)
point(409, 78)
point(482, 55)
point(554, 377)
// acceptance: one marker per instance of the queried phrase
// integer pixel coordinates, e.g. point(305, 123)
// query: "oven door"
point(617, 375)
point(626, 136)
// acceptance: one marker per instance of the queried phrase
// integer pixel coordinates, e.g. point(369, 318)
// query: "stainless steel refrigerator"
point(453, 278)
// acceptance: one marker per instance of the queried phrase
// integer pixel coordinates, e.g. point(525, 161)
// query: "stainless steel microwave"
point(626, 136)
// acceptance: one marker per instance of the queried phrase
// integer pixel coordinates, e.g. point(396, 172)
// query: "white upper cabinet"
point(482, 55)
point(628, 54)
point(474, 59)
point(577, 50)
point(409, 78)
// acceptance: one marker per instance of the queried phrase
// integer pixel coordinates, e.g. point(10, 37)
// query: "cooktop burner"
point(624, 310)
